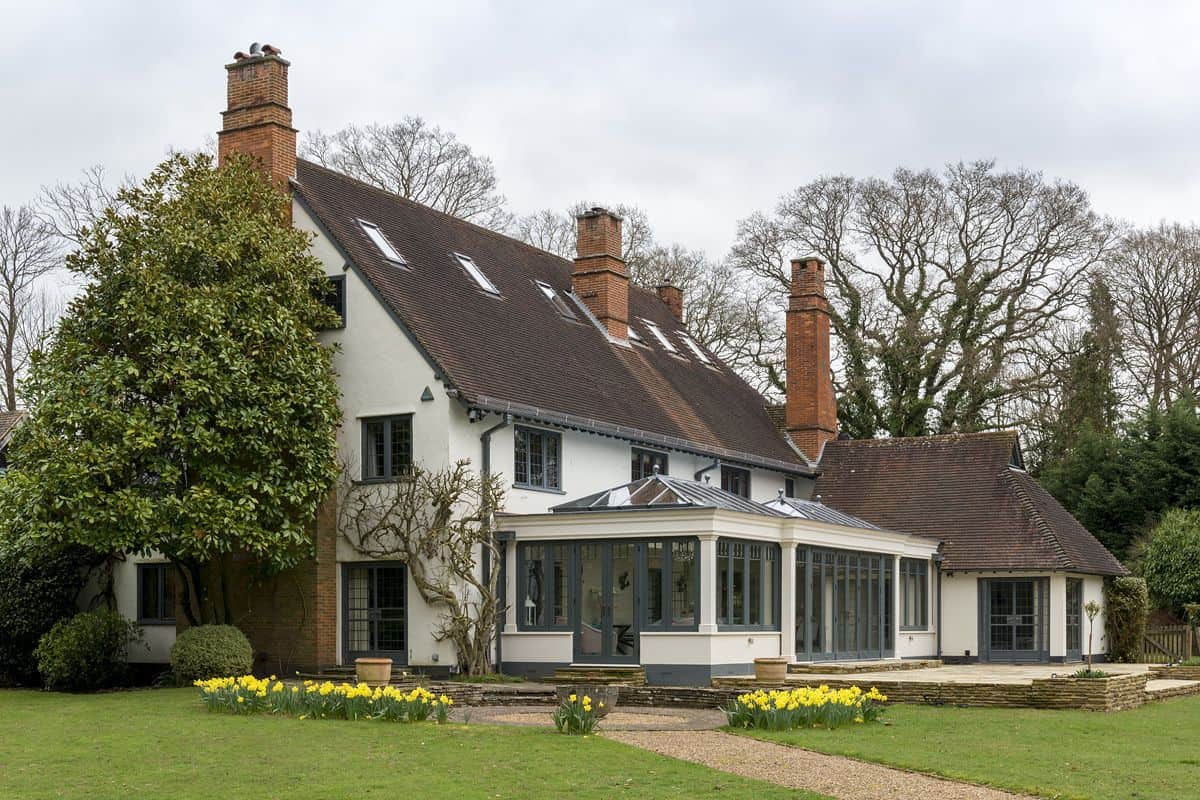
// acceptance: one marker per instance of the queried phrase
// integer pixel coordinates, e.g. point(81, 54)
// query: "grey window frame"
point(161, 570)
point(776, 566)
point(635, 458)
point(1074, 618)
point(547, 598)
point(728, 470)
point(389, 475)
point(916, 569)
point(668, 623)
point(337, 296)
point(543, 433)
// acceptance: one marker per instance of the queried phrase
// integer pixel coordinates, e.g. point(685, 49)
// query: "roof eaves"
point(636, 435)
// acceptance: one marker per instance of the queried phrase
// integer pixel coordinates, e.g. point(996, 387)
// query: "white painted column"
point(897, 609)
point(708, 583)
point(787, 601)
point(511, 582)
point(1057, 618)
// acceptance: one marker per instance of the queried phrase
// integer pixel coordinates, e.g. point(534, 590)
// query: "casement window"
point(647, 462)
point(536, 459)
point(542, 599)
point(747, 585)
point(387, 452)
point(914, 594)
point(672, 584)
point(736, 480)
point(156, 594)
point(331, 292)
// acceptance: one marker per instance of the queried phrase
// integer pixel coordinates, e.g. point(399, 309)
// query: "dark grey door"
point(1013, 617)
point(375, 622)
point(606, 630)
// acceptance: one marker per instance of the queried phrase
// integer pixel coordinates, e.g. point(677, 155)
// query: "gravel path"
point(802, 769)
point(631, 719)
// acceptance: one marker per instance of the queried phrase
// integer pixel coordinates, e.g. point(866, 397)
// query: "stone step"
point(607, 675)
point(1165, 688)
point(854, 667)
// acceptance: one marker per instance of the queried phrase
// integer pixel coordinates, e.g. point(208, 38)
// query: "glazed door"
point(1014, 620)
point(374, 619)
point(606, 630)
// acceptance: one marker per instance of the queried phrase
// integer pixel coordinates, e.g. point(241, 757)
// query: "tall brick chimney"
point(811, 406)
point(600, 278)
point(257, 121)
point(672, 295)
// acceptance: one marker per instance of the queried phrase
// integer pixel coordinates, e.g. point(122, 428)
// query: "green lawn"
point(1151, 752)
point(162, 744)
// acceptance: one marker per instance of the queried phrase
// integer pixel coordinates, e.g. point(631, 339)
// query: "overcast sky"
point(699, 112)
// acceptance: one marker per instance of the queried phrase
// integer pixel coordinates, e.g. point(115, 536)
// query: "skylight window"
point(662, 337)
point(695, 348)
point(635, 336)
point(556, 300)
point(376, 236)
point(475, 272)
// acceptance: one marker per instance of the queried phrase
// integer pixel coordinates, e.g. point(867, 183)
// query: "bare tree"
point(29, 251)
point(439, 523)
point(1155, 279)
point(69, 208)
point(418, 161)
point(943, 286)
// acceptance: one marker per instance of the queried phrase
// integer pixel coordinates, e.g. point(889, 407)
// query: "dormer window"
point(555, 299)
point(695, 348)
point(660, 336)
point(381, 241)
point(476, 273)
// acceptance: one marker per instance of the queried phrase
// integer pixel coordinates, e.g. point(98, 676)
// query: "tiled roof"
point(666, 491)
point(518, 353)
point(8, 423)
point(818, 512)
point(963, 490)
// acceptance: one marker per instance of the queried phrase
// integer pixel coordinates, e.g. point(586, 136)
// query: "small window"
point(475, 272)
point(660, 336)
point(789, 487)
point(736, 480)
point(695, 348)
point(376, 236)
point(635, 336)
point(914, 594)
point(536, 459)
point(647, 463)
point(156, 594)
point(555, 299)
point(331, 292)
point(387, 448)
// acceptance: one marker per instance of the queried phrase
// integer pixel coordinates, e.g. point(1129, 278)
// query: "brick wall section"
point(600, 278)
point(811, 407)
point(257, 120)
point(673, 297)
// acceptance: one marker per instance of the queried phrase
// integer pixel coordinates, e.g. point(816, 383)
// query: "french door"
point(374, 618)
point(606, 629)
point(1013, 619)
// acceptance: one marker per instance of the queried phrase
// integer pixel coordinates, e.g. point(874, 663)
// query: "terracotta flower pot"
point(771, 670)
point(373, 671)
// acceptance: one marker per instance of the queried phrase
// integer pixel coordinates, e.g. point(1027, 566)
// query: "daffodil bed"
point(576, 715)
point(250, 695)
point(805, 707)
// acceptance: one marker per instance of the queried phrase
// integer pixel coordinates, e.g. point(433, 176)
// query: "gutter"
point(485, 462)
point(700, 472)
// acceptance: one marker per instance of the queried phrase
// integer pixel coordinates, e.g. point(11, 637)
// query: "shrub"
point(806, 707)
point(86, 652)
point(1088, 672)
point(250, 695)
point(1171, 560)
point(210, 651)
point(1126, 603)
point(575, 715)
point(37, 589)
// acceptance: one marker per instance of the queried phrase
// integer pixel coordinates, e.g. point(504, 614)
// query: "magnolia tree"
point(439, 523)
point(185, 405)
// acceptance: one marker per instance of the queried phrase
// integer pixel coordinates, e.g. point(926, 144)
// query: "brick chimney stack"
point(258, 121)
point(600, 278)
point(672, 295)
point(811, 406)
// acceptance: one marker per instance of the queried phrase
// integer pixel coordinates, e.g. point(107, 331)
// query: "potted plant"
point(771, 670)
point(373, 671)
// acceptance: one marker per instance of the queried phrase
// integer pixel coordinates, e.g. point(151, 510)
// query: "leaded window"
point(536, 459)
point(747, 584)
point(542, 586)
point(387, 448)
point(736, 480)
point(647, 463)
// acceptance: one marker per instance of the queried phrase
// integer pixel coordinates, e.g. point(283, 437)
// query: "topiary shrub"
point(1170, 562)
point(1126, 604)
point(86, 652)
point(38, 588)
point(210, 651)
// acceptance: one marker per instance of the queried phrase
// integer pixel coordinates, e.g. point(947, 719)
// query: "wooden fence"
point(1164, 644)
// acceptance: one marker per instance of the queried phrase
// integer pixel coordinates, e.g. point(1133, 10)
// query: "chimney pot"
point(257, 120)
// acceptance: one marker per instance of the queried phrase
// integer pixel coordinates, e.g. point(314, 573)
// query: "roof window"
point(555, 299)
point(376, 236)
point(475, 272)
point(695, 348)
point(662, 338)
